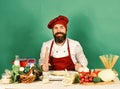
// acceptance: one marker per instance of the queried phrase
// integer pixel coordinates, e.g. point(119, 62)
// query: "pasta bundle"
point(109, 60)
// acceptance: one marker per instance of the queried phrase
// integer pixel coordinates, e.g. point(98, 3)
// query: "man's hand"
point(45, 67)
point(77, 66)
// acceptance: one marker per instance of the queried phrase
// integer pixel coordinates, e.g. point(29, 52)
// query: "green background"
point(94, 23)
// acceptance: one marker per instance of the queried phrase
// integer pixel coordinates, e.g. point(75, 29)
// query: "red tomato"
point(86, 80)
point(82, 80)
point(90, 79)
point(81, 75)
point(86, 76)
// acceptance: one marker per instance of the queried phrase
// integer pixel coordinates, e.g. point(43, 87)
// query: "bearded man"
point(61, 52)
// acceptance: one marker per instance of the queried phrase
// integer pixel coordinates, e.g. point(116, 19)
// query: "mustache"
point(59, 33)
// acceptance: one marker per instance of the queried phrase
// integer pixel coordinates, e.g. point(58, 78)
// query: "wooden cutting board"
point(100, 83)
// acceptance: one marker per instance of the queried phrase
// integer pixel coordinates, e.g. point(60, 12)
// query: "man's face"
point(59, 33)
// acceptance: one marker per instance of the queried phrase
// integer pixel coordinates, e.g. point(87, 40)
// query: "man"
point(61, 52)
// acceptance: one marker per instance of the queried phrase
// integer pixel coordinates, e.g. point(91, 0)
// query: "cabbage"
point(107, 75)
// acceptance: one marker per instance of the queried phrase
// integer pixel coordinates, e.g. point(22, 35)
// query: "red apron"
point(61, 63)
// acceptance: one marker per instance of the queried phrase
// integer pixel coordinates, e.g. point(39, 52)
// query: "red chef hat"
point(58, 20)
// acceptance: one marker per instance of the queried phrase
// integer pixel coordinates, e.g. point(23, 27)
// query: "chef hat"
point(58, 20)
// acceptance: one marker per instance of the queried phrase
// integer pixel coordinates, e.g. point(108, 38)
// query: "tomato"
point(87, 80)
point(88, 72)
point(86, 76)
point(82, 80)
point(90, 79)
point(83, 73)
point(93, 74)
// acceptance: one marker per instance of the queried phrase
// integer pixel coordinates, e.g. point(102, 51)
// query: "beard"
point(60, 37)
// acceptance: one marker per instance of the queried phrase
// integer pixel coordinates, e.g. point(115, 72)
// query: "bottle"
point(17, 61)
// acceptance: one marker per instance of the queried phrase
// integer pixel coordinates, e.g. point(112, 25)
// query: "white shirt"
point(76, 51)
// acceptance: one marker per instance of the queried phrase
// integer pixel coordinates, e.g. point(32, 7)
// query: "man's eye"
point(55, 27)
point(61, 27)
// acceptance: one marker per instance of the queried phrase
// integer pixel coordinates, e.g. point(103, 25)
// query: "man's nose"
point(59, 30)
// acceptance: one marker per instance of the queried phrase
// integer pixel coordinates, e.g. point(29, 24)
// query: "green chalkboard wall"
point(94, 23)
